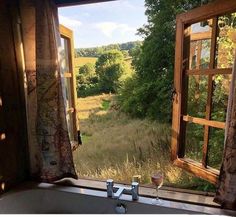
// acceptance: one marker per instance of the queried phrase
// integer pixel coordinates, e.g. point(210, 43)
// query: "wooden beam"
point(216, 8)
point(200, 36)
point(226, 71)
point(201, 121)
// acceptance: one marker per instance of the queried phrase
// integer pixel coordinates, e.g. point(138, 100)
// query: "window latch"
point(173, 94)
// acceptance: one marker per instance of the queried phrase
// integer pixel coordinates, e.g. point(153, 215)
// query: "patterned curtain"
point(49, 144)
point(226, 193)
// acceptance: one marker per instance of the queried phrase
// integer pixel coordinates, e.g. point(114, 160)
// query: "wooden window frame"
point(179, 119)
point(67, 34)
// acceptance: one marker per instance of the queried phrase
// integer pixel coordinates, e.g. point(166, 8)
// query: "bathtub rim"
point(29, 186)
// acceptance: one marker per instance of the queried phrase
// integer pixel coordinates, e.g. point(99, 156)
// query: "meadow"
point(80, 61)
point(118, 147)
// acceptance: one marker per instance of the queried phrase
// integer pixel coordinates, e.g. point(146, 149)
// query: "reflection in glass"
point(226, 40)
point(68, 93)
point(215, 147)
point(194, 139)
point(65, 55)
point(204, 26)
point(69, 118)
point(200, 45)
point(68, 87)
point(200, 54)
point(220, 97)
point(197, 95)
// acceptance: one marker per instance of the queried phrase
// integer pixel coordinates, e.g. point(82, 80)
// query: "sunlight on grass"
point(80, 61)
point(118, 147)
point(106, 104)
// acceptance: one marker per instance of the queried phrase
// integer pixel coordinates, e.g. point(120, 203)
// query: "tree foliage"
point(97, 51)
point(109, 67)
point(148, 94)
point(87, 80)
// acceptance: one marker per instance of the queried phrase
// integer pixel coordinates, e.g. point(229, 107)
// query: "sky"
point(104, 23)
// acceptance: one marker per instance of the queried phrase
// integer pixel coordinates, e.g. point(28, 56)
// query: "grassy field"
point(80, 61)
point(118, 147)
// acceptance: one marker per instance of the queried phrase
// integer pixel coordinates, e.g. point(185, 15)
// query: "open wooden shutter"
point(70, 83)
point(202, 67)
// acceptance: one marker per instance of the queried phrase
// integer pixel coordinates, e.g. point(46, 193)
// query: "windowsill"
point(172, 194)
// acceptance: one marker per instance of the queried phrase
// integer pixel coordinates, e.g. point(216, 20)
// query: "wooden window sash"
point(179, 115)
point(197, 169)
point(209, 11)
point(67, 34)
point(200, 36)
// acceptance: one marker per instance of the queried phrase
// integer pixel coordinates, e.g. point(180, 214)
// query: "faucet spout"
point(133, 190)
point(119, 192)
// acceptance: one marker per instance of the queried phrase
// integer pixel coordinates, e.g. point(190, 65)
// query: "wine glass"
point(157, 179)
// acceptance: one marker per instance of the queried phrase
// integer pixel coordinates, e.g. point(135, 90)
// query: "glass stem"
point(157, 188)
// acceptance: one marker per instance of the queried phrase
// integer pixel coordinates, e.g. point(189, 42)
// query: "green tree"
point(88, 72)
point(109, 67)
point(87, 80)
point(154, 61)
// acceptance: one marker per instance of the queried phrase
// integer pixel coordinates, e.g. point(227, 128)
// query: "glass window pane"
point(194, 141)
point(65, 55)
point(68, 92)
point(69, 118)
point(226, 40)
point(220, 97)
point(200, 54)
point(204, 26)
point(215, 147)
point(197, 95)
point(200, 45)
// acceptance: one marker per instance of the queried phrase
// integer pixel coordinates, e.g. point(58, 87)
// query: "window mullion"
point(210, 91)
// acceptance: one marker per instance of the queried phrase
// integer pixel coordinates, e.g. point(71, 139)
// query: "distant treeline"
point(97, 51)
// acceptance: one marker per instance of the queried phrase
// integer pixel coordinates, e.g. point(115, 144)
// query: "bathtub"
point(54, 199)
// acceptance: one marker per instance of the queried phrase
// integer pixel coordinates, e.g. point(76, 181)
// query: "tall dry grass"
point(118, 147)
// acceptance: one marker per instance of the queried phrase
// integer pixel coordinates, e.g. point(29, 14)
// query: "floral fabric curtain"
point(49, 144)
point(226, 192)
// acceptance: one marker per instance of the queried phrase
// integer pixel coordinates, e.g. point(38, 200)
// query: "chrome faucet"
point(134, 190)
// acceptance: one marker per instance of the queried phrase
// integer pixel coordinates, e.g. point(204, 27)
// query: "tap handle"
point(135, 190)
point(110, 184)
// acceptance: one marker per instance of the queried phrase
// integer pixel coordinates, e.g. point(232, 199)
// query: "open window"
point(67, 65)
point(203, 67)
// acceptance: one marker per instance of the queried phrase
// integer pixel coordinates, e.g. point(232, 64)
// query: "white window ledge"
point(169, 193)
